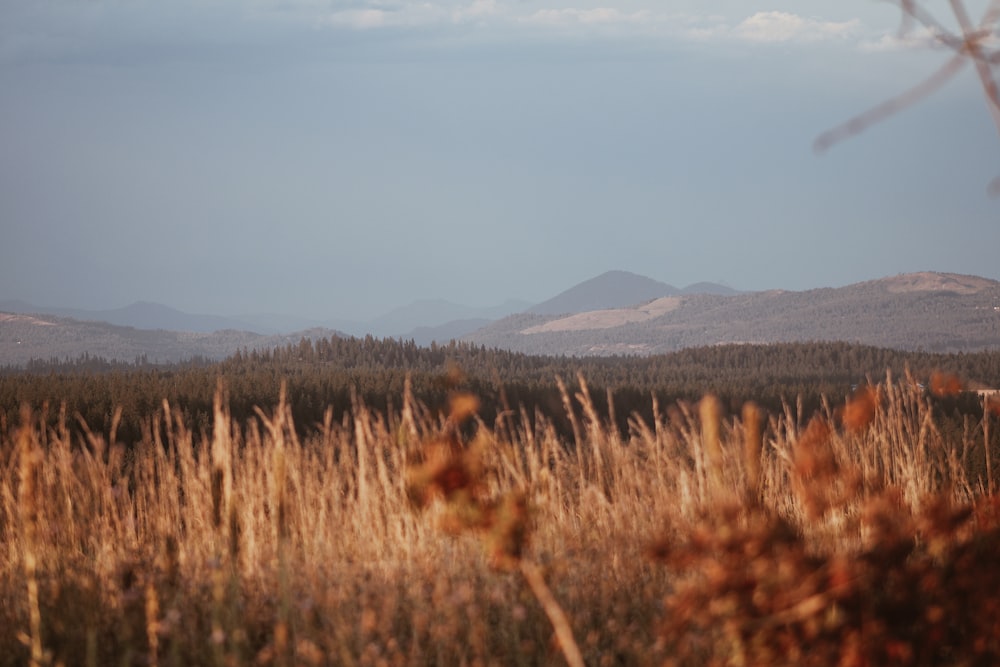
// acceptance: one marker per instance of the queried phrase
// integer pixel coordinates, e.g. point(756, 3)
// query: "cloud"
point(497, 13)
point(385, 14)
point(786, 27)
point(920, 38)
point(374, 14)
point(29, 30)
point(913, 40)
point(596, 16)
point(772, 27)
point(639, 18)
point(359, 19)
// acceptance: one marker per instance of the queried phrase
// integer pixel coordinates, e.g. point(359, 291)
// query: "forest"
point(338, 373)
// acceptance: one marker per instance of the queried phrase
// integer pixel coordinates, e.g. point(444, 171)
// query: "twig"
point(969, 45)
point(972, 45)
point(863, 121)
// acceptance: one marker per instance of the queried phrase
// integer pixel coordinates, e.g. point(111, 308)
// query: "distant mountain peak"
point(710, 288)
point(611, 289)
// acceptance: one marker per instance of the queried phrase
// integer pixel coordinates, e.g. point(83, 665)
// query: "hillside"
point(931, 311)
point(26, 337)
point(141, 315)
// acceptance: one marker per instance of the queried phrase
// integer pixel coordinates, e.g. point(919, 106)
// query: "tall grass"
point(860, 535)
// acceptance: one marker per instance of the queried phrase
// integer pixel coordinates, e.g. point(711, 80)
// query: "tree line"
point(337, 373)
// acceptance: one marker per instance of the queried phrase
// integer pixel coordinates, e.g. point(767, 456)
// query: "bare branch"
point(913, 12)
point(863, 121)
point(971, 44)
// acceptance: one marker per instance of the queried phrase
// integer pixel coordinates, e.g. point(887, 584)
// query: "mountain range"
point(615, 313)
point(939, 312)
point(424, 321)
point(397, 323)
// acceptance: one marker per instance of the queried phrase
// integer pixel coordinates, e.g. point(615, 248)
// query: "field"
point(862, 533)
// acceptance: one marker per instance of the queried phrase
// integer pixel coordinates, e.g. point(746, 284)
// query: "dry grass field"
point(857, 536)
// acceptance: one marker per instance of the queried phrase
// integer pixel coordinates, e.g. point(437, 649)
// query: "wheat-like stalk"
point(251, 544)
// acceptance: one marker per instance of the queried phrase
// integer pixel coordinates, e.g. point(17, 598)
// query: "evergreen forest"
point(338, 373)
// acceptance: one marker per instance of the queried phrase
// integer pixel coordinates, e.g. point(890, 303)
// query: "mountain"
point(404, 321)
point(24, 337)
point(279, 323)
point(709, 288)
point(146, 315)
point(614, 289)
point(939, 312)
point(141, 315)
point(411, 321)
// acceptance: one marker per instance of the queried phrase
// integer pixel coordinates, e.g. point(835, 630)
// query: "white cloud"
point(776, 27)
point(922, 39)
point(596, 16)
point(495, 13)
point(919, 38)
point(382, 14)
point(359, 19)
point(786, 27)
point(637, 17)
point(61, 24)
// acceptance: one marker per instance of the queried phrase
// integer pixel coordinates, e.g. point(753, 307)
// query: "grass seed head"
point(446, 470)
point(462, 406)
point(945, 384)
point(861, 408)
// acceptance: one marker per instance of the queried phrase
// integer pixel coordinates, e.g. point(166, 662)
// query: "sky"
point(339, 158)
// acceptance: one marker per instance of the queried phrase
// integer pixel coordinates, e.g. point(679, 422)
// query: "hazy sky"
point(337, 158)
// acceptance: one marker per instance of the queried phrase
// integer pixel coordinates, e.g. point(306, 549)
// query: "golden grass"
point(699, 538)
